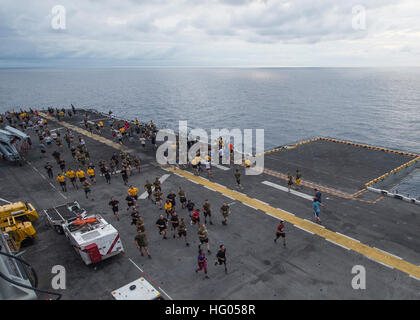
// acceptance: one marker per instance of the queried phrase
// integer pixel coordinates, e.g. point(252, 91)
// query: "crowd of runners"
point(81, 173)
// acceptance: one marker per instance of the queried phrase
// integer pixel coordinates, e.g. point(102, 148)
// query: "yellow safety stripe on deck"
point(341, 240)
point(360, 192)
point(88, 134)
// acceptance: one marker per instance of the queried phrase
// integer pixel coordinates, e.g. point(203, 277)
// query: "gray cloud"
point(188, 32)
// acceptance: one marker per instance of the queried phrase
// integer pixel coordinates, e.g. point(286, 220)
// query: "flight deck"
point(359, 227)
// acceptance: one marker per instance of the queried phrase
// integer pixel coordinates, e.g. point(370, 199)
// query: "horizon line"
point(205, 67)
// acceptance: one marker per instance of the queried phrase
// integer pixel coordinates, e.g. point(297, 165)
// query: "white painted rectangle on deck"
point(294, 192)
point(164, 177)
point(249, 206)
point(385, 265)
point(209, 188)
point(286, 212)
point(346, 236)
point(303, 229)
point(262, 202)
point(337, 244)
point(221, 167)
point(388, 253)
point(413, 277)
point(219, 184)
point(318, 225)
point(145, 194)
point(1, 199)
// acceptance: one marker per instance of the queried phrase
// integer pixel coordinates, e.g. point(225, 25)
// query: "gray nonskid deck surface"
point(344, 167)
point(309, 268)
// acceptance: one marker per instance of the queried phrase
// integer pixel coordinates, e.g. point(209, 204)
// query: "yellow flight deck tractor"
point(16, 220)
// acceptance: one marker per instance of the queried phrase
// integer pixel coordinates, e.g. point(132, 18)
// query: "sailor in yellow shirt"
point(62, 180)
point(137, 121)
point(91, 174)
point(168, 208)
point(81, 175)
point(298, 178)
point(101, 124)
point(132, 191)
point(72, 176)
point(194, 166)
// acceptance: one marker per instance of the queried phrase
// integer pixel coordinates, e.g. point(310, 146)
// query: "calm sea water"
point(375, 106)
point(410, 186)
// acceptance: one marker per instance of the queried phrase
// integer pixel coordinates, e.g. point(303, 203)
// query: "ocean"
point(367, 105)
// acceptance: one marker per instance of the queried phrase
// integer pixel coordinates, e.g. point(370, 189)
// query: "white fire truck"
point(90, 235)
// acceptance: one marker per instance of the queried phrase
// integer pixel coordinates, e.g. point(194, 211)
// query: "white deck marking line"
point(294, 192)
point(286, 211)
point(35, 169)
point(219, 184)
point(388, 253)
point(165, 293)
point(347, 236)
point(317, 224)
point(303, 229)
point(144, 195)
point(111, 173)
point(135, 265)
point(229, 204)
point(1, 199)
point(178, 175)
point(261, 201)
point(152, 280)
point(209, 188)
point(229, 197)
point(62, 195)
point(273, 216)
point(221, 167)
point(245, 204)
point(379, 262)
point(414, 277)
point(337, 244)
point(56, 129)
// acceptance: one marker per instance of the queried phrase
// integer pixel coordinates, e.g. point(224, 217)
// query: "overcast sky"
point(210, 33)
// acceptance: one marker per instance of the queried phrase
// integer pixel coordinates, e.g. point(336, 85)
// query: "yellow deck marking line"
point(338, 239)
point(360, 192)
point(88, 134)
point(379, 199)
